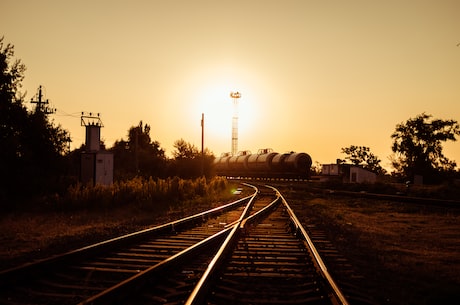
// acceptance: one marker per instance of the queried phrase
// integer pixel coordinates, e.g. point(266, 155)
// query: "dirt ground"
point(409, 254)
point(31, 236)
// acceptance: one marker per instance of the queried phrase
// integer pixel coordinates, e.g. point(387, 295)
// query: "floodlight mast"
point(235, 96)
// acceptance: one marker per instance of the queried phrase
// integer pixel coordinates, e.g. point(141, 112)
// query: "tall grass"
point(146, 193)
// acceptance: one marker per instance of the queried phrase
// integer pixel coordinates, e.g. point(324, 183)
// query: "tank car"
point(221, 164)
point(278, 162)
point(297, 164)
point(228, 165)
point(264, 164)
point(261, 163)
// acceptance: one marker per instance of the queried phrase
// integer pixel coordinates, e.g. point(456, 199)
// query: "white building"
point(361, 175)
point(347, 173)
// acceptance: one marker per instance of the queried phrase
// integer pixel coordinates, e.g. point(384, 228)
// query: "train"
point(264, 164)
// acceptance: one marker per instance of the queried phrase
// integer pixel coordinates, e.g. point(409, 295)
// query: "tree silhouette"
point(417, 145)
point(13, 117)
point(188, 161)
point(139, 155)
point(32, 147)
point(362, 156)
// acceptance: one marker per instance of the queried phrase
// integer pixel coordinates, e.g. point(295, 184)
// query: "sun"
point(217, 109)
point(208, 90)
point(217, 106)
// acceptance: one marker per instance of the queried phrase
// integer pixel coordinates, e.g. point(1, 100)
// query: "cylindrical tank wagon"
point(264, 164)
point(261, 162)
point(239, 163)
point(297, 162)
point(221, 163)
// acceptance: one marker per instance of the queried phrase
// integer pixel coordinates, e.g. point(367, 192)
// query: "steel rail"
point(109, 295)
point(199, 292)
point(226, 238)
point(116, 292)
point(10, 275)
point(337, 293)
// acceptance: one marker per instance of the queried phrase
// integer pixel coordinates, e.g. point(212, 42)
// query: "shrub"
point(150, 193)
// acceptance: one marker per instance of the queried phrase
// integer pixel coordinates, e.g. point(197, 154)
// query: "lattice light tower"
point(235, 96)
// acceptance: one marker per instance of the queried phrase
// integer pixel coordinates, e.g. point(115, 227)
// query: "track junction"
point(251, 251)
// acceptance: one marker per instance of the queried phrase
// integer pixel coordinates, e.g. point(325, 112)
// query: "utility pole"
point(202, 144)
point(41, 107)
point(41, 104)
point(136, 143)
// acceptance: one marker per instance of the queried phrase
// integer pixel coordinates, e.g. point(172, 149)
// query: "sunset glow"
point(314, 76)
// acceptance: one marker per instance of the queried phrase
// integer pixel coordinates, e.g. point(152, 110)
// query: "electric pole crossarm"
point(41, 104)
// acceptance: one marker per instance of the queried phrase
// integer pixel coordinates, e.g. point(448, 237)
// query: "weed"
point(151, 193)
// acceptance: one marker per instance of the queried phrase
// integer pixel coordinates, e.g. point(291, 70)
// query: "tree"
point(31, 146)
point(316, 169)
point(188, 161)
point(417, 145)
point(44, 145)
point(13, 116)
point(362, 156)
point(139, 155)
point(185, 150)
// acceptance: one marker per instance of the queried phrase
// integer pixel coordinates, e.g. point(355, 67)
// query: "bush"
point(147, 193)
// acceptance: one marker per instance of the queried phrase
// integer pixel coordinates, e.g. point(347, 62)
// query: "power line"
point(60, 112)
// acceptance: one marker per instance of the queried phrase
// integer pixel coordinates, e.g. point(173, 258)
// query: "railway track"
point(268, 266)
point(78, 275)
point(257, 253)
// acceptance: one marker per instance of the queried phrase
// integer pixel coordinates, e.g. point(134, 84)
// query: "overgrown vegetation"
point(144, 193)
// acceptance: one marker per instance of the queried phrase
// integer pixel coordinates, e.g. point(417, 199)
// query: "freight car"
point(264, 164)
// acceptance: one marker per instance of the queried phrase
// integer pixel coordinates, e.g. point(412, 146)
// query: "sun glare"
point(217, 105)
point(210, 87)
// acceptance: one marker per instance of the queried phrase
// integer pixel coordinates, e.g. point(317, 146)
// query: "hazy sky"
point(315, 76)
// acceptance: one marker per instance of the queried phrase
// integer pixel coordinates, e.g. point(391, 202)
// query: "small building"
point(330, 170)
point(347, 173)
point(97, 168)
point(361, 175)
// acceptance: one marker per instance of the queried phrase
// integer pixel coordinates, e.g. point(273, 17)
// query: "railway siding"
point(260, 255)
point(80, 274)
point(269, 266)
point(268, 262)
